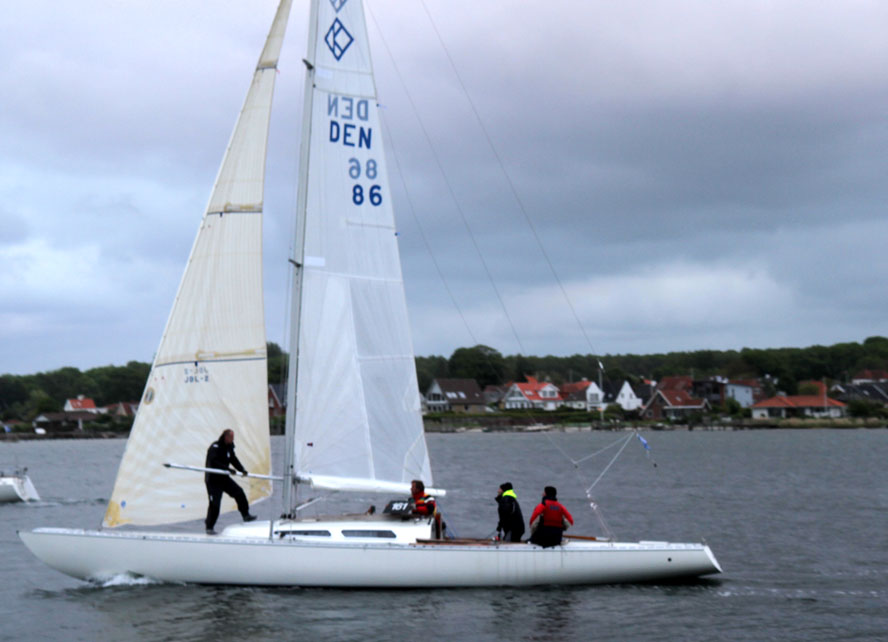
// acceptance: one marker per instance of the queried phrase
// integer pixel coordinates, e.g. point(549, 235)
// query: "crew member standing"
point(511, 521)
point(549, 520)
point(220, 455)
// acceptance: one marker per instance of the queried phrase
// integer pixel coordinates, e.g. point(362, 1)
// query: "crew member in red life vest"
point(424, 505)
point(549, 520)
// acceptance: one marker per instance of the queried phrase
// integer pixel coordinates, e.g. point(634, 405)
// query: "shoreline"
point(437, 427)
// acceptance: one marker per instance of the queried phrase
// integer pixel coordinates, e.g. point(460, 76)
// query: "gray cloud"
point(699, 175)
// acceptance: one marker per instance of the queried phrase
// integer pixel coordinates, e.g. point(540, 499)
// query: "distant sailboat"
point(17, 487)
point(354, 420)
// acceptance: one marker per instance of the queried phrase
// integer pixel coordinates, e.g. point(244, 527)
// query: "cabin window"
point(362, 533)
point(303, 533)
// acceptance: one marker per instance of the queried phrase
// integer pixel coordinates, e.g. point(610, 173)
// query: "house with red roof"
point(815, 405)
point(869, 376)
point(673, 403)
point(783, 406)
point(80, 404)
point(676, 382)
point(582, 395)
point(538, 395)
point(122, 409)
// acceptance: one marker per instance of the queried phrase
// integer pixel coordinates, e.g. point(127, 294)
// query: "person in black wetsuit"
point(511, 521)
point(220, 455)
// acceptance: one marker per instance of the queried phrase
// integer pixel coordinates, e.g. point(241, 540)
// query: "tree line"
point(789, 366)
point(25, 396)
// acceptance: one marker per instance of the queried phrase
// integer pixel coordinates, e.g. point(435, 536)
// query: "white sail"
point(357, 407)
point(209, 373)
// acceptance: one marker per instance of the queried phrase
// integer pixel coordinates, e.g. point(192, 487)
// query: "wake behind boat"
point(355, 424)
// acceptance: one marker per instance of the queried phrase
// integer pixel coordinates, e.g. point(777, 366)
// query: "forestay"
point(210, 369)
point(358, 411)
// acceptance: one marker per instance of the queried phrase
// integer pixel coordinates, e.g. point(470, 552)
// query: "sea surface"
point(797, 519)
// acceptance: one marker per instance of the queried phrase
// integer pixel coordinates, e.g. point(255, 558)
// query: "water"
point(797, 520)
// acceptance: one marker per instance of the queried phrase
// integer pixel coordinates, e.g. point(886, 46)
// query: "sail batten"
point(185, 362)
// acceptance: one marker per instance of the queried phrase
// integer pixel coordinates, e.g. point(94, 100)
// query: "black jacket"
point(510, 518)
point(221, 455)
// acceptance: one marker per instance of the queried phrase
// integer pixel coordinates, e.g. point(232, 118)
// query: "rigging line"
point(528, 411)
point(593, 506)
point(582, 459)
point(447, 182)
point(508, 178)
point(413, 213)
point(559, 449)
point(422, 234)
point(611, 463)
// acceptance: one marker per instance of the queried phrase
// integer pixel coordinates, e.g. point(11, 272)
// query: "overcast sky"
point(663, 175)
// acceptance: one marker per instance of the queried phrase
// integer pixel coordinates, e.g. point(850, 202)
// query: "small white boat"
point(355, 424)
point(17, 487)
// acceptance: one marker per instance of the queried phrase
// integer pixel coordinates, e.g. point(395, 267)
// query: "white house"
point(627, 399)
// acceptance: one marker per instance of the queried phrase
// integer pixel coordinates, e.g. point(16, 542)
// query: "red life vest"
point(553, 513)
point(425, 504)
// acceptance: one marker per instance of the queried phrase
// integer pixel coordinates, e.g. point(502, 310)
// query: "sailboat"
point(17, 487)
point(354, 420)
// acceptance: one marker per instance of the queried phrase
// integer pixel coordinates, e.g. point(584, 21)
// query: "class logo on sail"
point(338, 39)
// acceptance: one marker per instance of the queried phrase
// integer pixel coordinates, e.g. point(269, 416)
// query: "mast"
point(297, 261)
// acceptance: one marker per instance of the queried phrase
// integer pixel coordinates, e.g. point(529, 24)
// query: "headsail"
point(357, 408)
point(210, 369)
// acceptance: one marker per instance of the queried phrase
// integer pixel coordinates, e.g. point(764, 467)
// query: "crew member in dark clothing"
point(220, 455)
point(511, 521)
point(549, 520)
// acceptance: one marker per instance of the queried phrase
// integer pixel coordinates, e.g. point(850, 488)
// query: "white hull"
point(17, 488)
point(236, 558)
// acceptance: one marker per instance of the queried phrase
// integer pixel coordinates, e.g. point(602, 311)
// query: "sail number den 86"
point(373, 195)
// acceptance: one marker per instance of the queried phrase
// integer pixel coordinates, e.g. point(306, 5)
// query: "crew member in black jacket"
point(511, 521)
point(220, 455)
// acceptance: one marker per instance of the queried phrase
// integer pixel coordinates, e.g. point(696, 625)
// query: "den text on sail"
point(343, 111)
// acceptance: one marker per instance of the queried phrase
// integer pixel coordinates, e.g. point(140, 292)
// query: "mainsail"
point(209, 372)
point(357, 401)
